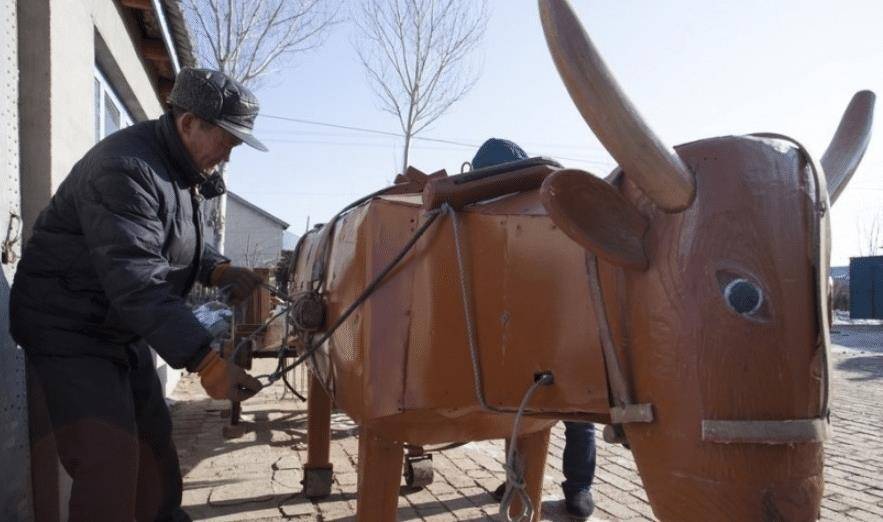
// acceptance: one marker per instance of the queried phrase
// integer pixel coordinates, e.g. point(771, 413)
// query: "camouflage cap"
point(218, 99)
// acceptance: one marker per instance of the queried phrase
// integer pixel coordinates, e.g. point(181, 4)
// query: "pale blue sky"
point(694, 69)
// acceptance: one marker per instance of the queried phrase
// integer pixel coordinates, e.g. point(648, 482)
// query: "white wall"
point(64, 42)
point(66, 38)
point(250, 238)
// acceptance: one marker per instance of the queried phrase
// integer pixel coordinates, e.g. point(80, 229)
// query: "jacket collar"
point(177, 153)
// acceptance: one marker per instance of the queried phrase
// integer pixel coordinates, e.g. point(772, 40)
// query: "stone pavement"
point(257, 476)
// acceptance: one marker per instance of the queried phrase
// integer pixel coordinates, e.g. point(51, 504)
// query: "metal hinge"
point(13, 235)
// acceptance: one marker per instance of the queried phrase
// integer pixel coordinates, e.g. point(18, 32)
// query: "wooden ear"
point(595, 215)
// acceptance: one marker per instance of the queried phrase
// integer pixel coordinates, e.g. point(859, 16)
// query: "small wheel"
point(418, 471)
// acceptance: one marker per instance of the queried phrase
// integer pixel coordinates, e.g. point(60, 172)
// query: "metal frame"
point(106, 91)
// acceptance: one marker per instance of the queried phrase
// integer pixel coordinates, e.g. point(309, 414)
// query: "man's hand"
point(224, 380)
point(240, 282)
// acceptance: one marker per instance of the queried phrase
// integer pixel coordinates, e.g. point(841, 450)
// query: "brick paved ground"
point(256, 477)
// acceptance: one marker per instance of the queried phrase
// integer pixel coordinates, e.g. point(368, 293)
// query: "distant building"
point(840, 273)
point(840, 287)
point(289, 240)
point(866, 287)
point(252, 236)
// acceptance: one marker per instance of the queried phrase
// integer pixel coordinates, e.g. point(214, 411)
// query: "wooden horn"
point(849, 143)
point(654, 166)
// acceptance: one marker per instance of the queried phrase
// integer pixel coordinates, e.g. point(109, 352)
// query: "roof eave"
point(258, 209)
point(180, 33)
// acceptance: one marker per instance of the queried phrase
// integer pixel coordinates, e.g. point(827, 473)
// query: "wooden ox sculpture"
point(682, 301)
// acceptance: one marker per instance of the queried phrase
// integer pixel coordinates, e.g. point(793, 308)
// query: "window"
point(110, 113)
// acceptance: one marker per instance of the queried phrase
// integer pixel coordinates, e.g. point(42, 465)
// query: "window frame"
point(104, 93)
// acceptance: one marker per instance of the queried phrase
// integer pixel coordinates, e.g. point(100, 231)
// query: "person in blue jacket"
point(579, 447)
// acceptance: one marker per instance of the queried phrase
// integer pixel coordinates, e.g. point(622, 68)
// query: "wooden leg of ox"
point(318, 469)
point(533, 448)
point(380, 472)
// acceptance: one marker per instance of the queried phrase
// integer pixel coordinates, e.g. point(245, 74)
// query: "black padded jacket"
point(114, 254)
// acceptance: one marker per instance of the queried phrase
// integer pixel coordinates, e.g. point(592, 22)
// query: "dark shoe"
point(498, 493)
point(579, 505)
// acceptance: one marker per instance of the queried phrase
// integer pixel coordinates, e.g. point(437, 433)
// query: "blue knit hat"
point(496, 151)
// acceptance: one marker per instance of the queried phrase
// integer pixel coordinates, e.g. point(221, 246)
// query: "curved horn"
point(848, 145)
point(655, 167)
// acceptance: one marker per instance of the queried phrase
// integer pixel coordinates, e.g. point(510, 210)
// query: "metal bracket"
point(614, 434)
point(13, 235)
point(631, 413)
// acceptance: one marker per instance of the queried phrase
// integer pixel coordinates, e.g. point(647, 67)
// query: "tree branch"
point(415, 55)
point(245, 38)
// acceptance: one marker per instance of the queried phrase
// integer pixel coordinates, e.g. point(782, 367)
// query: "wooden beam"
point(154, 50)
point(164, 87)
point(143, 5)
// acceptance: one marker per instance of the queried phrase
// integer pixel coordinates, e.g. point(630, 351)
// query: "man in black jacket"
point(104, 275)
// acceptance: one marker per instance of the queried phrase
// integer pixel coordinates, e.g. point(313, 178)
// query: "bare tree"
point(870, 235)
point(253, 253)
point(249, 40)
point(416, 56)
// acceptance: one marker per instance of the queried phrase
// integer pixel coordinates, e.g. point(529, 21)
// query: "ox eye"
point(743, 296)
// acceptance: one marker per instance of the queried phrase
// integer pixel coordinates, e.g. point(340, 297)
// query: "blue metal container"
point(866, 287)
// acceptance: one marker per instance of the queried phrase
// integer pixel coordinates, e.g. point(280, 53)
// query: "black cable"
point(363, 129)
point(291, 388)
point(603, 162)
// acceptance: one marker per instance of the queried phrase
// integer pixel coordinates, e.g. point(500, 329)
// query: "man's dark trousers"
point(113, 434)
point(579, 457)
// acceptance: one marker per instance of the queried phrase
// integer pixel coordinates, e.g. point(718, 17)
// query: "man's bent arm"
point(210, 260)
point(125, 239)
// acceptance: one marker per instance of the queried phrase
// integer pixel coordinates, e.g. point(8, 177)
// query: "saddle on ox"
point(683, 300)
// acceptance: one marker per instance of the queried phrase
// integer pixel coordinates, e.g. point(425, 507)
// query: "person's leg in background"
point(579, 468)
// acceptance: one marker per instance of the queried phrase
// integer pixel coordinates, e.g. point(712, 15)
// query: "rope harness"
point(625, 410)
point(515, 484)
point(514, 466)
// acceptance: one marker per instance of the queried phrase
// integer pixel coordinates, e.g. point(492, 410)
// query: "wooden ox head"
point(714, 263)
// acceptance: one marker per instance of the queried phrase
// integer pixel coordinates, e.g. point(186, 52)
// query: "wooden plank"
point(164, 88)
point(765, 432)
point(143, 5)
point(632, 413)
point(154, 50)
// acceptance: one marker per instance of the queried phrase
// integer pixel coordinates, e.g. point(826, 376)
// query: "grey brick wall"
point(15, 498)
